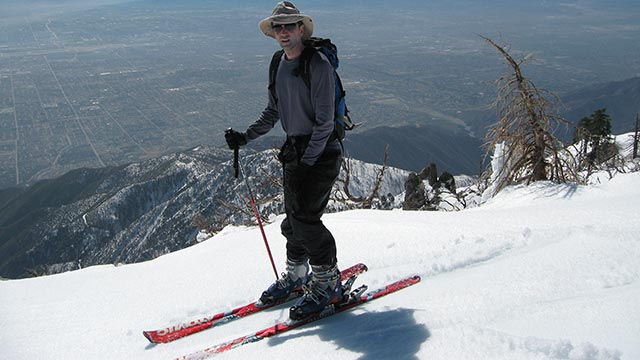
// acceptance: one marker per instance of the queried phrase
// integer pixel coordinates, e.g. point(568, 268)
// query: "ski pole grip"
point(236, 166)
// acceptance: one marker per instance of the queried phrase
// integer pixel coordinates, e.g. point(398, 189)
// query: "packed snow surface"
point(546, 271)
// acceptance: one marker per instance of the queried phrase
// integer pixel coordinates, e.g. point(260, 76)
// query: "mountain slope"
point(412, 148)
point(620, 98)
point(541, 272)
point(140, 211)
point(415, 147)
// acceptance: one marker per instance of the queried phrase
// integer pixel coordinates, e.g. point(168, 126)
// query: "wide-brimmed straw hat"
point(286, 13)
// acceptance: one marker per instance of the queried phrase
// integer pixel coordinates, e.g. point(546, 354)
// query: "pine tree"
point(595, 133)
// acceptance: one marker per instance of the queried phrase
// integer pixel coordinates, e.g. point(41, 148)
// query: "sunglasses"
point(288, 27)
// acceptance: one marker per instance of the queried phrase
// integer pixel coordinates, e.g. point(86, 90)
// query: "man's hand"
point(235, 139)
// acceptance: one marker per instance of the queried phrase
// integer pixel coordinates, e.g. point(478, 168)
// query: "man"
point(311, 158)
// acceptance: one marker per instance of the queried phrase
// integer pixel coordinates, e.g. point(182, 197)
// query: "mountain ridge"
point(143, 210)
point(620, 98)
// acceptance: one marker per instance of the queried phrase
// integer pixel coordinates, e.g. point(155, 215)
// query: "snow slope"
point(541, 272)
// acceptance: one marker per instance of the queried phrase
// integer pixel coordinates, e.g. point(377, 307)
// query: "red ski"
point(174, 332)
point(354, 300)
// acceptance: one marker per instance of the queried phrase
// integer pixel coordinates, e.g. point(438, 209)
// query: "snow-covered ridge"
point(144, 210)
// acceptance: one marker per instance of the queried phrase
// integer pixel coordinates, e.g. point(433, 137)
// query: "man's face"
point(289, 36)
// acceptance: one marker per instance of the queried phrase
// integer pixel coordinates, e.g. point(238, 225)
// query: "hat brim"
point(307, 21)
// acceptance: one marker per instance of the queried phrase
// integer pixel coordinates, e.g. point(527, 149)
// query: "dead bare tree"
point(343, 194)
point(206, 224)
point(531, 151)
point(374, 192)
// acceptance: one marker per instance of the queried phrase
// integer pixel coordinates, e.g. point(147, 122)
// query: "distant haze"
point(106, 83)
point(17, 10)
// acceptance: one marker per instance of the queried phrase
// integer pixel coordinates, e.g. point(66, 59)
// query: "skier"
point(311, 159)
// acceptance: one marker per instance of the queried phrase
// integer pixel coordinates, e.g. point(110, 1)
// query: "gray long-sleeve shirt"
point(302, 111)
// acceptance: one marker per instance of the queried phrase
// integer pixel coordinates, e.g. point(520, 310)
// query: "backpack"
point(342, 121)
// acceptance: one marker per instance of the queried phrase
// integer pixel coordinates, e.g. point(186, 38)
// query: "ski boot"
point(324, 289)
point(290, 281)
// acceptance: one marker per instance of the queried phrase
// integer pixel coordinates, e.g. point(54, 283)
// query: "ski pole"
point(235, 162)
point(236, 149)
point(236, 165)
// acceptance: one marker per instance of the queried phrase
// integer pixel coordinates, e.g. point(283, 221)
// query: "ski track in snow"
point(541, 272)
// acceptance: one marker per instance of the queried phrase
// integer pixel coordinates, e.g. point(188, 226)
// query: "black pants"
point(305, 202)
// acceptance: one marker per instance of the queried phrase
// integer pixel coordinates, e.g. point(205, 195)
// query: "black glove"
point(235, 139)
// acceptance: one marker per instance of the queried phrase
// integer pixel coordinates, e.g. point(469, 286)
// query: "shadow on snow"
point(392, 334)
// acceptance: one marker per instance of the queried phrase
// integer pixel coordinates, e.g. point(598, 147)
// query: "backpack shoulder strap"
point(304, 67)
point(273, 71)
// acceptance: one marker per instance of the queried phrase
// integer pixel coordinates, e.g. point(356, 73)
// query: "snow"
point(546, 271)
